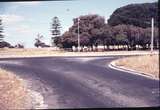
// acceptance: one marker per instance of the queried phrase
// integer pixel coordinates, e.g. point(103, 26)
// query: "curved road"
point(84, 82)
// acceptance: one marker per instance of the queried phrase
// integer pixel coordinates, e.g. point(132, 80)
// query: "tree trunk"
point(104, 47)
point(92, 48)
point(157, 44)
point(128, 47)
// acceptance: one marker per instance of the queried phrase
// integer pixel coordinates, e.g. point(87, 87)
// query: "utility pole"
point(78, 37)
point(152, 35)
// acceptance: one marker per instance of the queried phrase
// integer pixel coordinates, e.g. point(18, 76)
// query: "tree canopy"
point(55, 29)
point(94, 31)
point(1, 31)
point(128, 27)
point(135, 14)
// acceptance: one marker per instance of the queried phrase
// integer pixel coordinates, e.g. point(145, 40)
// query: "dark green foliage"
point(2, 42)
point(19, 45)
point(39, 42)
point(1, 31)
point(55, 29)
point(57, 41)
point(5, 44)
point(94, 32)
point(89, 26)
point(129, 28)
point(135, 14)
point(55, 26)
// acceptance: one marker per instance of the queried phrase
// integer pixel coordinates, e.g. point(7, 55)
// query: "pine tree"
point(55, 29)
point(1, 31)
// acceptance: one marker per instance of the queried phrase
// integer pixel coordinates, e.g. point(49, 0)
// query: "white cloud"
point(11, 18)
point(20, 30)
point(15, 24)
point(25, 29)
point(28, 3)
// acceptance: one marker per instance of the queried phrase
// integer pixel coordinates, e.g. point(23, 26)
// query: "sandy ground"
point(146, 64)
point(13, 93)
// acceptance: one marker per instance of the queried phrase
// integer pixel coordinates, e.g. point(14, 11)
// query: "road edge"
point(80, 55)
point(36, 98)
point(112, 65)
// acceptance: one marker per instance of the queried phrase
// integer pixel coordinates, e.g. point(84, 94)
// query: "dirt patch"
point(13, 93)
point(147, 64)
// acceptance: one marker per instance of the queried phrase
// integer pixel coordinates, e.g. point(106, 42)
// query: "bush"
point(4, 44)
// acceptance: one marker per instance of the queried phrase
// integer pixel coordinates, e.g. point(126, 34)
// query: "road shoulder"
point(16, 94)
point(49, 53)
point(113, 65)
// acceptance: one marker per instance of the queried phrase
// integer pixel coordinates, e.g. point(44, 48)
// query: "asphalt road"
point(84, 82)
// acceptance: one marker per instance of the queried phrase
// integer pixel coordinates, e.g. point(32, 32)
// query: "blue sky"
point(22, 21)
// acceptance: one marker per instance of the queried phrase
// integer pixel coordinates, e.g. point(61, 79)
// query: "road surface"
point(84, 82)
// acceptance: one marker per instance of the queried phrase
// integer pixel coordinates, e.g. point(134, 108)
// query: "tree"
point(156, 38)
point(38, 40)
point(19, 45)
point(94, 32)
point(84, 39)
point(121, 35)
point(2, 42)
point(135, 14)
point(67, 40)
point(57, 41)
point(89, 32)
point(55, 29)
point(106, 37)
point(1, 31)
point(5, 44)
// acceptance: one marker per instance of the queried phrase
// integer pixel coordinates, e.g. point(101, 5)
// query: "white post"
point(152, 35)
point(78, 37)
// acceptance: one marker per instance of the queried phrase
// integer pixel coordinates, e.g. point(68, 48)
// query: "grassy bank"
point(13, 94)
point(147, 64)
point(31, 52)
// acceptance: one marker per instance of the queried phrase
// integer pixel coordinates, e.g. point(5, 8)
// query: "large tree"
point(135, 14)
point(94, 32)
point(89, 26)
point(55, 29)
point(2, 42)
point(1, 31)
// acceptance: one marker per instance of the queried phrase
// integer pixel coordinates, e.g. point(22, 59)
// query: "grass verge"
point(147, 64)
point(38, 52)
point(13, 94)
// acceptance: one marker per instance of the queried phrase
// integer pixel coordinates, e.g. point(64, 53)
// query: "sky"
point(22, 21)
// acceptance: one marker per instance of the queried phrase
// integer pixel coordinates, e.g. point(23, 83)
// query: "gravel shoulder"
point(16, 94)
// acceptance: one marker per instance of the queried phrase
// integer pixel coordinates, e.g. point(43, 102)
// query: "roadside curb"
point(124, 69)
